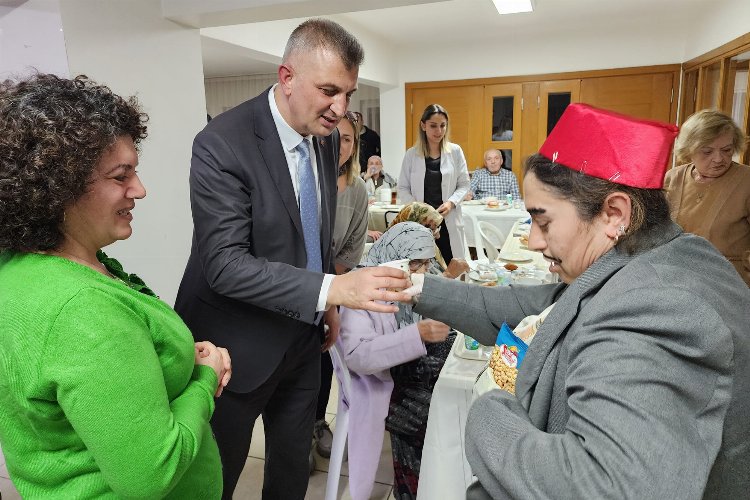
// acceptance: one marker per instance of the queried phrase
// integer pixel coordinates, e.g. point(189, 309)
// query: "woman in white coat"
point(434, 172)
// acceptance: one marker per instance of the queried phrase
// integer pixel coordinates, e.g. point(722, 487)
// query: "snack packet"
point(506, 357)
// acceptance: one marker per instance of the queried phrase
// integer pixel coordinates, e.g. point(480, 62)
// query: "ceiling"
point(432, 24)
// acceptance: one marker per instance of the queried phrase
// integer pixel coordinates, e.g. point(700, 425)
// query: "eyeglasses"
point(351, 117)
point(416, 264)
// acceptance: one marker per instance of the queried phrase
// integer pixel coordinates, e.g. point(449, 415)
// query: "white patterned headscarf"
point(405, 240)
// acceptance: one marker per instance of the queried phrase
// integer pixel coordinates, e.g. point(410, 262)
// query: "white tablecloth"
point(472, 214)
point(503, 220)
point(445, 473)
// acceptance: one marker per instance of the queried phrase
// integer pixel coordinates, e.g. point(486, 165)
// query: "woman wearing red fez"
point(710, 194)
point(637, 383)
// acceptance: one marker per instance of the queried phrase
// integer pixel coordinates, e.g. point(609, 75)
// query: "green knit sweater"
point(99, 393)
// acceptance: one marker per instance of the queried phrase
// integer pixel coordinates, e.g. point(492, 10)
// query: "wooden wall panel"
point(644, 96)
point(464, 107)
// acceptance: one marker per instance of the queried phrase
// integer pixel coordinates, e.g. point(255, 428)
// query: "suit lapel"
point(561, 316)
point(326, 181)
point(274, 159)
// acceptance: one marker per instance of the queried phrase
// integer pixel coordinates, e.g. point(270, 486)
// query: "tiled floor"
point(251, 480)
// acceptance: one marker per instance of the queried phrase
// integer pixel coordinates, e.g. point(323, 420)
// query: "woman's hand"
point(469, 196)
point(432, 331)
point(445, 208)
point(374, 235)
point(456, 268)
point(217, 358)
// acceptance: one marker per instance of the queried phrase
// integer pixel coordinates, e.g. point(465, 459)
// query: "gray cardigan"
point(637, 385)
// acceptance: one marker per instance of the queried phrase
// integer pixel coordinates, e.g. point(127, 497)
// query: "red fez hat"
point(611, 146)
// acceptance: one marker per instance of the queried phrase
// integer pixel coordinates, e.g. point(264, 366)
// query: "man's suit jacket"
point(637, 385)
point(245, 286)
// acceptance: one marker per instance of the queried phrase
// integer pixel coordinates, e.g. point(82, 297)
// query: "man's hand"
point(445, 208)
point(332, 321)
point(361, 288)
point(469, 196)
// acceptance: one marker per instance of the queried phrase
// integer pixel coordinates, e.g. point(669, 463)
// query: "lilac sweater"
point(371, 343)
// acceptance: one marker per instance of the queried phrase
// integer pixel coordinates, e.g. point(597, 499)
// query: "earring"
point(621, 230)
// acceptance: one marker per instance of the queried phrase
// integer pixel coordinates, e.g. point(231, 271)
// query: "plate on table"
point(474, 276)
point(472, 202)
point(516, 256)
point(496, 209)
point(388, 206)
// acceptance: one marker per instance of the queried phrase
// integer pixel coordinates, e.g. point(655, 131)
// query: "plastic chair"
point(475, 228)
point(389, 216)
point(338, 448)
point(492, 239)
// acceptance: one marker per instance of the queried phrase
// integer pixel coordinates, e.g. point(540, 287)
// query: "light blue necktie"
point(308, 208)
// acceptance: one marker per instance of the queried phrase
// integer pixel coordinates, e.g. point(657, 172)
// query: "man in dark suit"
point(263, 196)
point(369, 143)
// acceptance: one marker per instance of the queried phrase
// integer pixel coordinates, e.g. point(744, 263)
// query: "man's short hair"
point(323, 33)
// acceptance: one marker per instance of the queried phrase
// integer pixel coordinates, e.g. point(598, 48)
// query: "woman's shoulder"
point(359, 188)
point(678, 170)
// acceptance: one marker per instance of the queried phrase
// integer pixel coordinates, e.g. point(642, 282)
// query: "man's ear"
point(616, 213)
point(286, 74)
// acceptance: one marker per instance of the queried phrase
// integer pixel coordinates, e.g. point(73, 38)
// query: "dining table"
point(445, 473)
point(502, 217)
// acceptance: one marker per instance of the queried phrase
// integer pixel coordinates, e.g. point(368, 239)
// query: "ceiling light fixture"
point(513, 6)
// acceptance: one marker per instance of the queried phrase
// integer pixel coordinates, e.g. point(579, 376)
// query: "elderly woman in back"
point(644, 354)
point(379, 345)
point(424, 214)
point(710, 194)
point(103, 392)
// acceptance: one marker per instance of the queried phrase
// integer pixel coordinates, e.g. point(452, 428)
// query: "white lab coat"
point(454, 186)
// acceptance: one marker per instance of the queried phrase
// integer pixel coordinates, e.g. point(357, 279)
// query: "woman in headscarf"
point(645, 355)
point(424, 214)
point(373, 343)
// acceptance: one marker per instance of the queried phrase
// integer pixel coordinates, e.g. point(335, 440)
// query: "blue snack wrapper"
point(512, 348)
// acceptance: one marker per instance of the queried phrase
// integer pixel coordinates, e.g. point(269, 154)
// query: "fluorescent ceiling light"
point(513, 6)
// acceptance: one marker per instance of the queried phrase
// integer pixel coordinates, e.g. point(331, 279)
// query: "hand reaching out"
point(362, 288)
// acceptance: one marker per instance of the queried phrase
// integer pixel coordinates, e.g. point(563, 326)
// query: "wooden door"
point(646, 96)
point(502, 123)
point(689, 94)
point(554, 97)
point(463, 104)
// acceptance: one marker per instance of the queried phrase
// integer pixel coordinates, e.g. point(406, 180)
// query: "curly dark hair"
point(53, 131)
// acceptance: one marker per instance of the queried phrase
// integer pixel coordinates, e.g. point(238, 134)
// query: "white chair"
point(492, 239)
point(475, 230)
point(338, 448)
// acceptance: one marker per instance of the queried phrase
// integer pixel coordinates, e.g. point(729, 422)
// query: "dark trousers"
point(444, 244)
point(287, 403)
point(326, 375)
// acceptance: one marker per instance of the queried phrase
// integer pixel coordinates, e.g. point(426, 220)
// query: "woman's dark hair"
point(649, 207)
point(53, 131)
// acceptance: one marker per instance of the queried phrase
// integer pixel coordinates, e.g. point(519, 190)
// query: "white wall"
point(131, 48)
point(31, 38)
point(717, 27)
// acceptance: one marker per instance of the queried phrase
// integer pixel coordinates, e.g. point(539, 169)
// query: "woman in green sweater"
point(103, 393)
